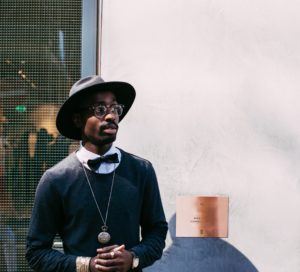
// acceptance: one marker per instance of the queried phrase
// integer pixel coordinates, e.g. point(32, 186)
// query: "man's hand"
point(111, 258)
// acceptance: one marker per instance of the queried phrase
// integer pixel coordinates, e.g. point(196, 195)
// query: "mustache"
point(109, 125)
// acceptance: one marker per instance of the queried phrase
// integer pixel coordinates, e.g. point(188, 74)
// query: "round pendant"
point(103, 237)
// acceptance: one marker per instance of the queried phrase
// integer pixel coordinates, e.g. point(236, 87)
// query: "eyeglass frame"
point(108, 109)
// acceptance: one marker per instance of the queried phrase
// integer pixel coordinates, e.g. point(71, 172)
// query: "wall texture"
point(217, 110)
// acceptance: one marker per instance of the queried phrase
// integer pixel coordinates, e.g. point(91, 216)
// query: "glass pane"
point(39, 60)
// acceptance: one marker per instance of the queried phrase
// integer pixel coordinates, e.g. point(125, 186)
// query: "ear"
point(77, 120)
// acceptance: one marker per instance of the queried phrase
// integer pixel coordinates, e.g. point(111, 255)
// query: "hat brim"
point(124, 92)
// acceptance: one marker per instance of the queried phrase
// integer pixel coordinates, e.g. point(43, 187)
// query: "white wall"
point(217, 109)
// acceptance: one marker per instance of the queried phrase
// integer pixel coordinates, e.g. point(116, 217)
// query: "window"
point(40, 58)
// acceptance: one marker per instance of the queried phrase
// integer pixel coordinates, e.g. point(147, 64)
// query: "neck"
point(100, 150)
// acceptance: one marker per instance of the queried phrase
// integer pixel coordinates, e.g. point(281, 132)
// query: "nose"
point(111, 116)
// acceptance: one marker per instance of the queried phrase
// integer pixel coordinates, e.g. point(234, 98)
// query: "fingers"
point(104, 268)
point(112, 254)
point(119, 248)
point(109, 255)
point(106, 249)
point(107, 262)
point(109, 258)
point(103, 265)
point(110, 264)
point(94, 267)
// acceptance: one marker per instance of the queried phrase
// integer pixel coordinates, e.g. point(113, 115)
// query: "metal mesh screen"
point(39, 60)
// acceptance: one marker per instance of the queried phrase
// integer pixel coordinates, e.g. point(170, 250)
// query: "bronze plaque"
point(202, 216)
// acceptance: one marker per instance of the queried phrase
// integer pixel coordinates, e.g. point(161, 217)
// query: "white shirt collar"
point(84, 155)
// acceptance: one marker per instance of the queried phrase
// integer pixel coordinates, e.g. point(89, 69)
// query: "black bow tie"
point(95, 164)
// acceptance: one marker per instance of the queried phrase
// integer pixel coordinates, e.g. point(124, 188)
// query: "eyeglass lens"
point(101, 110)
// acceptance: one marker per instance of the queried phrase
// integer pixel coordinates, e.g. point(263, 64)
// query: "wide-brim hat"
point(124, 92)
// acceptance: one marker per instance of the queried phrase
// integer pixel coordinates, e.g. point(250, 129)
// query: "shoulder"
point(136, 168)
point(134, 159)
point(68, 164)
point(65, 170)
point(136, 164)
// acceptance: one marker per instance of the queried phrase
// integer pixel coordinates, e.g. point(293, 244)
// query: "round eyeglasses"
point(102, 110)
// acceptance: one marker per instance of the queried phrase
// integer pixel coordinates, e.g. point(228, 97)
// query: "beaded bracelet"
point(83, 264)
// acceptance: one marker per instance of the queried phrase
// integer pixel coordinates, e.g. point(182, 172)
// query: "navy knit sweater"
point(64, 205)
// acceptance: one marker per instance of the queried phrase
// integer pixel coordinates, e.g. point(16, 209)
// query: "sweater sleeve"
point(45, 223)
point(153, 223)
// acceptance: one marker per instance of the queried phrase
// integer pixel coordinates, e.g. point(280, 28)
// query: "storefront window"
point(40, 58)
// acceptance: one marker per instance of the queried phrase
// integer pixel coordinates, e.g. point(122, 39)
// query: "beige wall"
point(217, 109)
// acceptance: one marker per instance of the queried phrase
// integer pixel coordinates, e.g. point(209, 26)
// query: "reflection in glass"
point(39, 60)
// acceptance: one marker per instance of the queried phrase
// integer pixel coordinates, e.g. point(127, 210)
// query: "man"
point(100, 197)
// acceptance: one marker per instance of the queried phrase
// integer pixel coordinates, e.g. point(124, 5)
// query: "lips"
point(110, 131)
point(109, 128)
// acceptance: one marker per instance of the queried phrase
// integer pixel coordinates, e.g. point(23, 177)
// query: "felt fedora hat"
point(124, 92)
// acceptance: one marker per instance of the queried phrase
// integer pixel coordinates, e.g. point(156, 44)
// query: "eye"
point(118, 109)
point(100, 110)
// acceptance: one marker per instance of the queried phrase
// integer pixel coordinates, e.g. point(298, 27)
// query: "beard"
point(98, 136)
point(102, 139)
point(108, 139)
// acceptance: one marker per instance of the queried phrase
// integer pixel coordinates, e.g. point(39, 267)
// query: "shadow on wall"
point(200, 254)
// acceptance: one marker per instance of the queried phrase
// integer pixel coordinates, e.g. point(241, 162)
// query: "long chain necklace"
point(103, 237)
